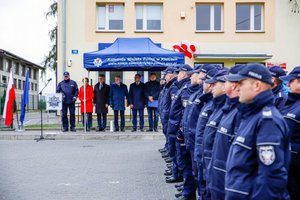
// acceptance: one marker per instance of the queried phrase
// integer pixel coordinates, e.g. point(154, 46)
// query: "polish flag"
point(9, 101)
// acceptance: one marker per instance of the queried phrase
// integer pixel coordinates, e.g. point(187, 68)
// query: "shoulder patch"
point(266, 154)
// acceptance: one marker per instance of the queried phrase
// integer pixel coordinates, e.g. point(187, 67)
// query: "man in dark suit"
point(137, 102)
point(152, 91)
point(118, 93)
point(101, 101)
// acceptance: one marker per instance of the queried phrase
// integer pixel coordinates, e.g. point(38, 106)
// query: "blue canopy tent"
point(132, 54)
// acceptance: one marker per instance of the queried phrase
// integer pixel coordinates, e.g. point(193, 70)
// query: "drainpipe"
point(64, 34)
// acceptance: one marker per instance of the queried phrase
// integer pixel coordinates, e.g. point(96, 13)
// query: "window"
point(35, 87)
point(249, 17)
point(34, 74)
point(8, 65)
point(243, 63)
point(29, 72)
point(148, 17)
point(15, 82)
point(32, 87)
point(221, 64)
point(1, 63)
point(19, 84)
point(16, 68)
point(23, 70)
point(209, 17)
point(110, 17)
point(4, 79)
point(23, 85)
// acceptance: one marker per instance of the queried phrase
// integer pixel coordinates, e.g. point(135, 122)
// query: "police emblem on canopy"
point(98, 62)
point(266, 154)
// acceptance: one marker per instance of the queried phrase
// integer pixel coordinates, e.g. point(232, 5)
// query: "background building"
point(223, 32)
point(9, 61)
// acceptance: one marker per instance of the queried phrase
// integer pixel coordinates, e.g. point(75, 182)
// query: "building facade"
point(10, 61)
point(224, 32)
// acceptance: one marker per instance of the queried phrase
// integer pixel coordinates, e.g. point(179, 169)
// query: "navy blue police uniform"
point(165, 103)
point(69, 90)
point(257, 162)
point(280, 95)
point(185, 156)
point(291, 113)
point(223, 139)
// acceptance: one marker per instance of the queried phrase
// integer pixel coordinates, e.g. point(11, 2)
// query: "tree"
point(51, 59)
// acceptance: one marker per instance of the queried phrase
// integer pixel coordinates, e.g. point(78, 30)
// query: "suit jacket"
point(101, 98)
point(117, 96)
point(136, 95)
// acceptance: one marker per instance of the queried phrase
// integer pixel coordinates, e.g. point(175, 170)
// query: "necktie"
point(100, 87)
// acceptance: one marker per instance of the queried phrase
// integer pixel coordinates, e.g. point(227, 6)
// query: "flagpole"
point(17, 115)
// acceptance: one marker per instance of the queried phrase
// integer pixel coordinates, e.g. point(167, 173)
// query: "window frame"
point(252, 18)
point(212, 18)
point(107, 18)
point(145, 18)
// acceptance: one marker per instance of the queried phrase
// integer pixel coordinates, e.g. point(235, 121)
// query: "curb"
point(11, 135)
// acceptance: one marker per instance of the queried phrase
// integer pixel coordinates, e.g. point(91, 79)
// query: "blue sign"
point(74, 51)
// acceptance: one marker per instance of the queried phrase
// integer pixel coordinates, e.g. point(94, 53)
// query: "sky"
point(24, 29)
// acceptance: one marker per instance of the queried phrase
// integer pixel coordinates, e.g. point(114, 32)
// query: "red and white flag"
point(9, 101)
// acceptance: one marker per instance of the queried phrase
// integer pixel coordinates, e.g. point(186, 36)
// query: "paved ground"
point(82, 170)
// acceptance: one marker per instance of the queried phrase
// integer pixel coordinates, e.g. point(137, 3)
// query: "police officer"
point(205, 113)
point(257, 163)
point(291, 113)
point(69, 90)
point(219, 98)
point(224, 136)
point(175, 116)
point(165, 101)
point(280, 94)
point(188, 190)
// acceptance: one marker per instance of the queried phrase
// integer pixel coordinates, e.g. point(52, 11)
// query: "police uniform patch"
point(173, 96)
point(266, 154)
point(184, 103)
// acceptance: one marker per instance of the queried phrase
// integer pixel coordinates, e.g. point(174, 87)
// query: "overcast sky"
point(24, 28)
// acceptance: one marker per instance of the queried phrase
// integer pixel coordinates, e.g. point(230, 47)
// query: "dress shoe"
point(169, 165)
point(178, 195)
point(133, 130)
point(168, 173)
point(171, 179)
point(155, 130)
point(161, 150)
point(65, 130)
point(122, 130)
point(103, 130)
point(150, 130)
point(186, 198)
point(116, 129)
point(178, 185)
point(73, 129)
point(179, 189)
point(165, 155)
point(98, 129)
